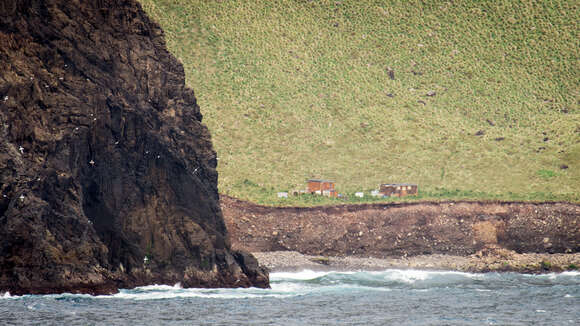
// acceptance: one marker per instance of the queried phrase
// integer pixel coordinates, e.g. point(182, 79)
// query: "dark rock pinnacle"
point(107, 175)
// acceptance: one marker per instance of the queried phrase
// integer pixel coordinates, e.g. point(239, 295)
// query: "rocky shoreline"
point(489, 260)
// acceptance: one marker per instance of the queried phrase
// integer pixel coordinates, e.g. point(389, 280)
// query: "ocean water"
point(390, 297)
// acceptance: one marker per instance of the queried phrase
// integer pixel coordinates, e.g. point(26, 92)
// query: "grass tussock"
point(479, 97)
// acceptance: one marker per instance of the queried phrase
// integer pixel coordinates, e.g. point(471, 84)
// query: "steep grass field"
point(468, 99)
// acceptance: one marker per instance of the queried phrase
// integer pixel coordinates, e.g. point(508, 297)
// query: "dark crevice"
point(107, 227)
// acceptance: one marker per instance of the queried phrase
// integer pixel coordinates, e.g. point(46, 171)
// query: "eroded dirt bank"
point(497, 235)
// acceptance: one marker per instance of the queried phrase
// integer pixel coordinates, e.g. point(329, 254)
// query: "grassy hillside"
point(467, 100)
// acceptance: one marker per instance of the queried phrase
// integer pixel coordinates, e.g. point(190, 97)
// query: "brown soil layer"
point(469, 236)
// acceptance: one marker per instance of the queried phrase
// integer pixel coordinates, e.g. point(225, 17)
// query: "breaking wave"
point(389, 297)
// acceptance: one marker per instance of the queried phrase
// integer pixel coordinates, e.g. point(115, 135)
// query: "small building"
point(330, 193)
point(399, 189)
point(322, 187)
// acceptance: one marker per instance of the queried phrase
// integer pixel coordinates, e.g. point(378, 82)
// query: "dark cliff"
point(107, 175)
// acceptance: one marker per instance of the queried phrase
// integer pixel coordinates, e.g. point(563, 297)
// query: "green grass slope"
point(468, 99)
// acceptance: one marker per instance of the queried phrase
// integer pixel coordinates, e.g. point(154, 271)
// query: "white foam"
point(302, 275)
point(169, 295)
point(413, 275)
point(406, 276)
point(161, 287)
point(292, 288)
point(287, 287)
point(6, 295)
point(157, 292)
point(554, 275)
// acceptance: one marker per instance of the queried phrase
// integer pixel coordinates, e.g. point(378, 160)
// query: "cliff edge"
point(107, 175)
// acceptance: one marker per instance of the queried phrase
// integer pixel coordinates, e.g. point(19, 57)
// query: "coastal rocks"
point(490, 260)
point(107, 175)
point(405, 229)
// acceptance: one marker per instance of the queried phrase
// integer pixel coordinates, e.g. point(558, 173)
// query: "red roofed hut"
point(322, 187)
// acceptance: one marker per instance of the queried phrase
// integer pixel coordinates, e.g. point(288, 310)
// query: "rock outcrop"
point(107, 175)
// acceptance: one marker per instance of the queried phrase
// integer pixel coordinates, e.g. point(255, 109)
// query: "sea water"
point(390, 297)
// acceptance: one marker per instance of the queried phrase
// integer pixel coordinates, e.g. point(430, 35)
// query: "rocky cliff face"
point(107, 175)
